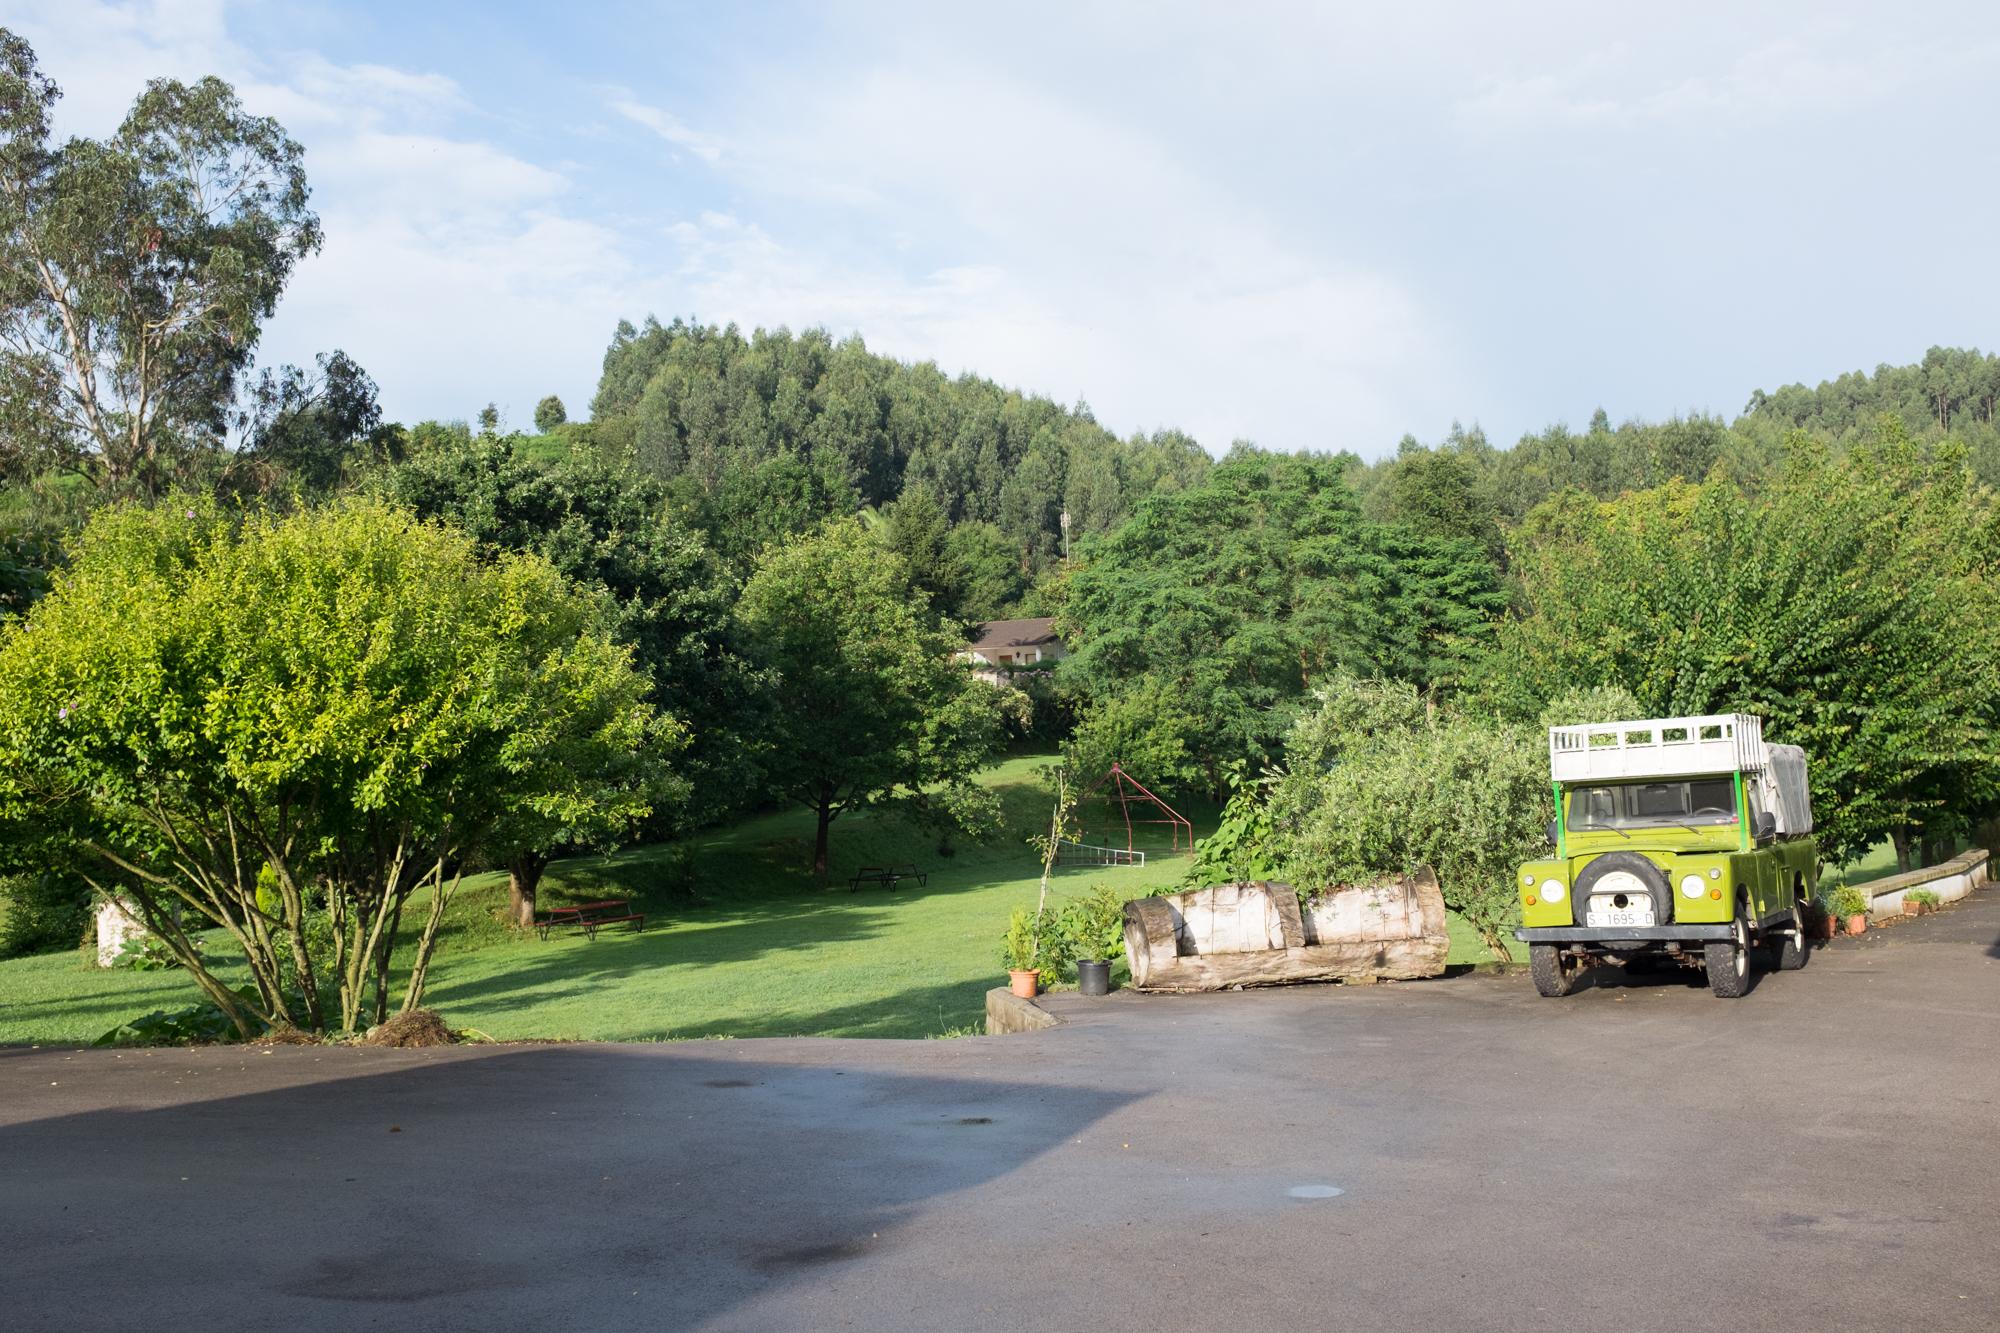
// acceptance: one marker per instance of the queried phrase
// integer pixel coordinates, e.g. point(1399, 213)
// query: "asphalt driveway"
point(1443, 1155)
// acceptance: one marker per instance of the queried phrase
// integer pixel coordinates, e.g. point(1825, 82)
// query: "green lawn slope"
point(739, 940)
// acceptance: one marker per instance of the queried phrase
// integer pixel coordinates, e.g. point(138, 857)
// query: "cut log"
point(1256, 934)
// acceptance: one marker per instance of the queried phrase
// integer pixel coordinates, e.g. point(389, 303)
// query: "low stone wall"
point(1949, 880)
point(1007, 1012)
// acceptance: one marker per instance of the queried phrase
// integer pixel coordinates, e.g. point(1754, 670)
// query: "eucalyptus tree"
point(136, 271)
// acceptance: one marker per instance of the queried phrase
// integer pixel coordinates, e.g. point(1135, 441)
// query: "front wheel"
point(1728, 964)
point(1552, 975)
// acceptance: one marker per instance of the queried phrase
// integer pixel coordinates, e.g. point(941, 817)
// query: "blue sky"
point(1311, 226)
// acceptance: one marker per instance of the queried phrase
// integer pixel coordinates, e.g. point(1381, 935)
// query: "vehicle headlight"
point(1552, 890)
point(1691, 886)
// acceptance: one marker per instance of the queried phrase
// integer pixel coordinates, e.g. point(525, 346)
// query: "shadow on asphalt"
point(658, 1187)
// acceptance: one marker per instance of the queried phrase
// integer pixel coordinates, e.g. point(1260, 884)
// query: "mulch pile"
point(419, 1027)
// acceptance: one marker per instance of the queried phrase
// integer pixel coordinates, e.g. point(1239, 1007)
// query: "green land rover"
point(1674, 838)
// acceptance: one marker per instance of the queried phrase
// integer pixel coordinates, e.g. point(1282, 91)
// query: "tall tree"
point(136, 271)
point(311, 427)
point(550, 413)
point(867, 706)
point(606, 527)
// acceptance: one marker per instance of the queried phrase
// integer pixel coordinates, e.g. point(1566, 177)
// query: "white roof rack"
point(1657, 748)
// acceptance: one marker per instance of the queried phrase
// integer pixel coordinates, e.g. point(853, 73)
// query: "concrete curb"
point(1950, 880)
point(1007, 1012)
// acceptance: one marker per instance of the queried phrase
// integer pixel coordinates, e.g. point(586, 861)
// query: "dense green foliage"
point(347, 697)
point(1196, 628)
point(1381, 783)
point(1949, 393)
point(1851, 603)
point(605, 527)
point(865, 704)
point(826, 427)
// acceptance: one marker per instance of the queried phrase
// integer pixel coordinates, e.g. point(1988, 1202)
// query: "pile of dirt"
point(419, 1027)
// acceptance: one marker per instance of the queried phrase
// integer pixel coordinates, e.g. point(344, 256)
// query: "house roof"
point(1028, 633)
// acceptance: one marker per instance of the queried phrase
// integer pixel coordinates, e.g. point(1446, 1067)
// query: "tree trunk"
point(1900, 839)
point(524, 878)
point(819, 843)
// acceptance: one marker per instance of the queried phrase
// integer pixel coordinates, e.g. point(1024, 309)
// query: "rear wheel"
point(1728, 963)
point(1791, 951)
point(1552, 972)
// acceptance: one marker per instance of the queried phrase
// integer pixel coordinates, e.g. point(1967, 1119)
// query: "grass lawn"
point(755, 949)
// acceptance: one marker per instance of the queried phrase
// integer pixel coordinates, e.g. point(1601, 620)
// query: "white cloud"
point(668, 127)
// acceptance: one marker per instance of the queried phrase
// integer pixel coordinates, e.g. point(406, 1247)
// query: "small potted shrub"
point(1017, 953)
point(1850, 906)
point(1919, 901)
point(1092, 930)
point(1818, 920)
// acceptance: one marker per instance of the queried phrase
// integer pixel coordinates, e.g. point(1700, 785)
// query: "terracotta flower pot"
point(1857, 923)
point(1912, 908)
point(1022, 983)
point(1820, 924)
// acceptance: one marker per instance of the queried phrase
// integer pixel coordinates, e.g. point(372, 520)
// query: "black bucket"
point(1093, 977)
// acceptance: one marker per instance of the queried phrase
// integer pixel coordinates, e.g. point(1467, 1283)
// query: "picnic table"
point(589, 916)
point(889, 875)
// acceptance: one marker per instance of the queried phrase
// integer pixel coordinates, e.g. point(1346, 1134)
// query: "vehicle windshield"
point(1625, 805)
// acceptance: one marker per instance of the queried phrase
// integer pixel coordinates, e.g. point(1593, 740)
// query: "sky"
point(1311, 226)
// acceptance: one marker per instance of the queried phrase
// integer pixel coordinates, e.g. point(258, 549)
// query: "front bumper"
point(1697, 931)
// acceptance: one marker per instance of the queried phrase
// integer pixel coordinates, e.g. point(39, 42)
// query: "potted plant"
point(1017, 954)
point(1818, 920)
point(1850, 906)
point(1091, 931)
point(1919, 901)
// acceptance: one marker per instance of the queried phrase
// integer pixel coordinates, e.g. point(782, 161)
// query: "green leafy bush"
point(197, 1023)
point(1244, 844)
point(1086, 928)
point(146, 953)
point(42, 913)
point(1847, 901)
point(1053, 941)
point(1382, 781)
point(1924, 898)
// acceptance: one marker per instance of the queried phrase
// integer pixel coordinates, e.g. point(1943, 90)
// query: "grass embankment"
point(753, 948)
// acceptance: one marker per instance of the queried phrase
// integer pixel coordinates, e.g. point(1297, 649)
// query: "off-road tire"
point(1728, 964)
point(1552, 978)
point(1789, 954)
point(1634, 864)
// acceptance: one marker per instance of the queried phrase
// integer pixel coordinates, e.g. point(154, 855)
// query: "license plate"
point(1621, 916)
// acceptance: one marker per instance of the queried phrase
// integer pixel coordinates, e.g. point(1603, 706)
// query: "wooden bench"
point(889, 875)
point(587, 917)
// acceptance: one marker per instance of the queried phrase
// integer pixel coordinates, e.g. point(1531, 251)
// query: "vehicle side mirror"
point(1555, 833)
point(1763, 824)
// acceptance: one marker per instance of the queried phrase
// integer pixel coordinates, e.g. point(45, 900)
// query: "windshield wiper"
point(1602, 828)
